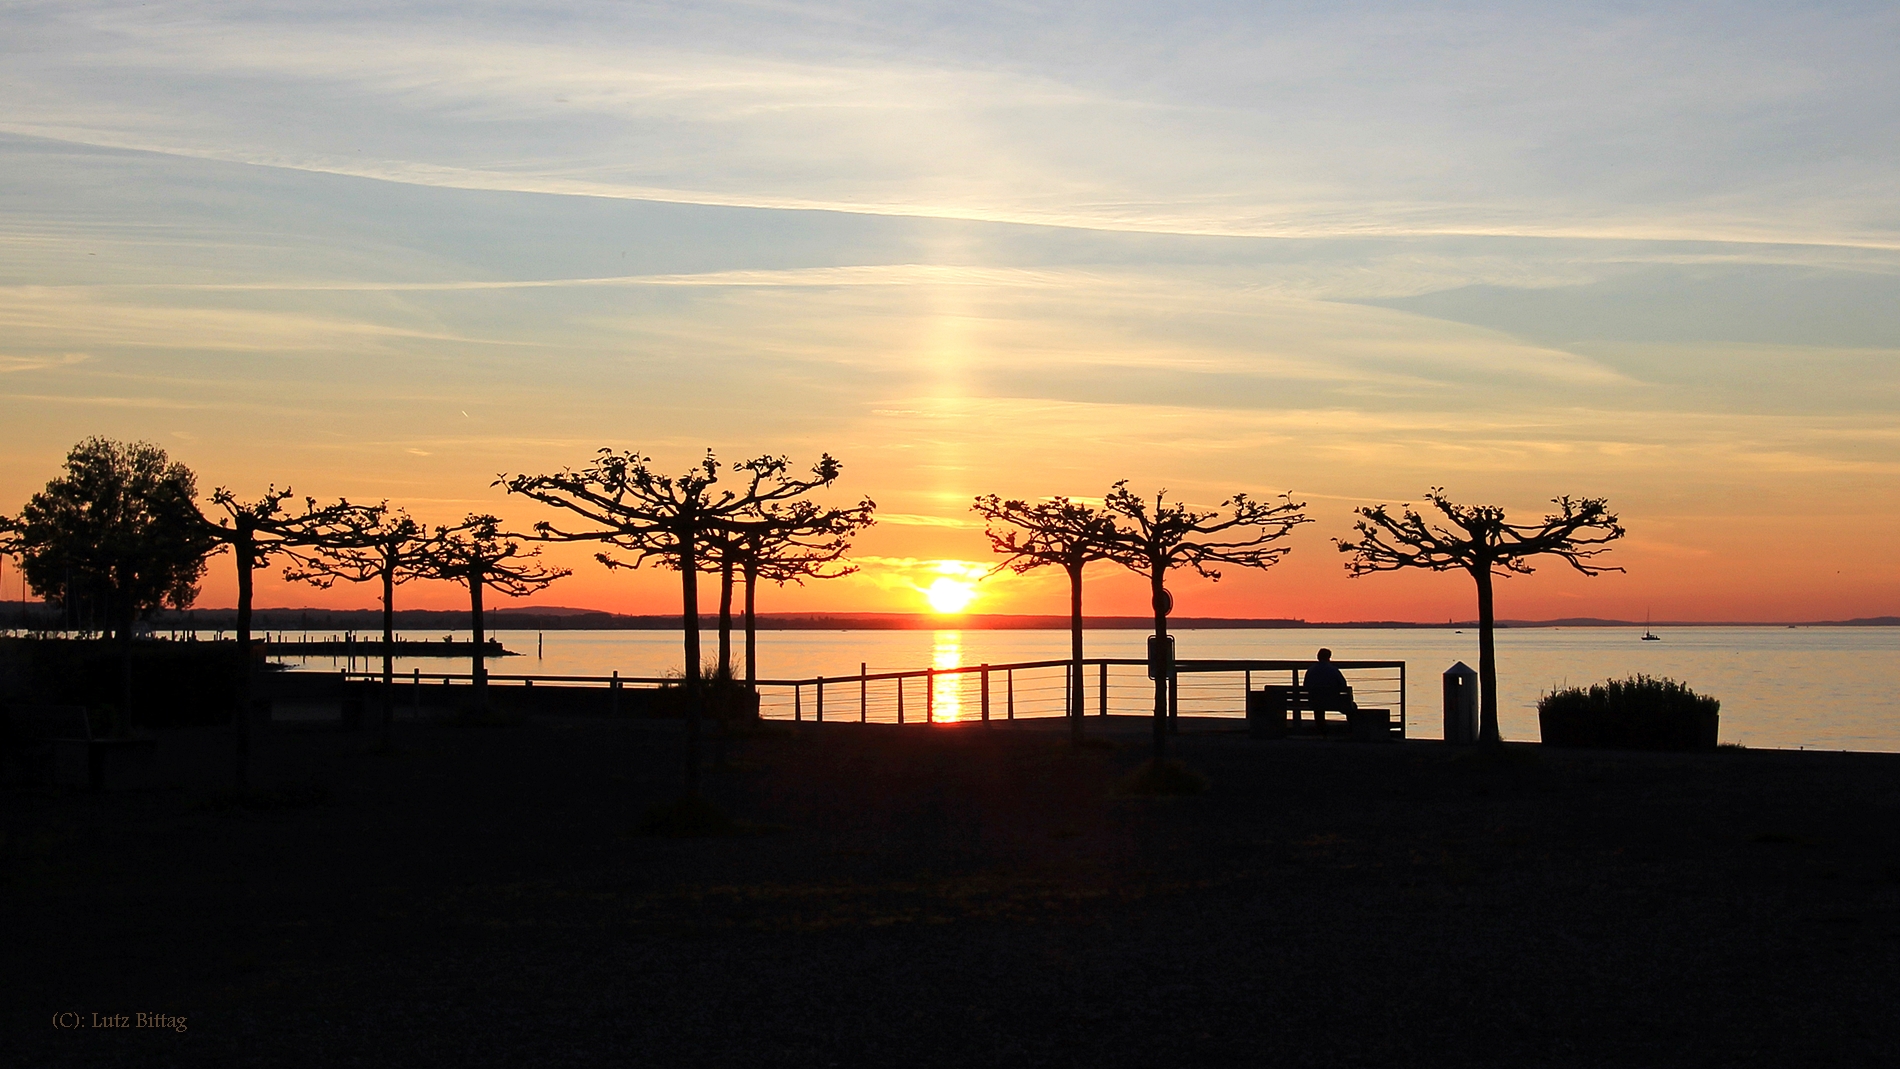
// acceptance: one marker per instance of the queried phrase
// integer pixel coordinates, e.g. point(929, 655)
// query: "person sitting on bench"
point(1326, 689)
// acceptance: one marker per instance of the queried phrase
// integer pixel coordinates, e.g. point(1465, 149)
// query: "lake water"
point(1834, 688)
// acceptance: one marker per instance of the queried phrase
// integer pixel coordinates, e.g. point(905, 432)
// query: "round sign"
point(1164, 601)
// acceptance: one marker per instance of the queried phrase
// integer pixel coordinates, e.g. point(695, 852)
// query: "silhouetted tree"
point(666, 519)
point(255, 532)
point(1480, 542)
point(1153, 540)
point(478, 555)
point(791, 543)
point(1059, 532)
point(372, 543)
point(118, 529)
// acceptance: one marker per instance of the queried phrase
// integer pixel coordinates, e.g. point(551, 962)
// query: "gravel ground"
point(959, 896)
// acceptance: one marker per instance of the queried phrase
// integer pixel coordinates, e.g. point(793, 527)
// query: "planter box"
point(1670, 731)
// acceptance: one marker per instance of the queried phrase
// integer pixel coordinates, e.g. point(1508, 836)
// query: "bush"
point(1639, 713)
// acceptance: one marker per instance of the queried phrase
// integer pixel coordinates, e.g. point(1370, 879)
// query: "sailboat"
point(1648, 635)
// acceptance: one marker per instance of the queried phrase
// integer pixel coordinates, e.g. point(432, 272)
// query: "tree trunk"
point(389, 650)
point(479, 661)
point(125, 666)
point(1075, 654)
point(689, 618)
point(1158, 573)
point(244, 547)
point(751, 623)
point(725, 618)
point(1488, 734)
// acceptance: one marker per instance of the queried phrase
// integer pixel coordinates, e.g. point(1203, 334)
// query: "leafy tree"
point(117, 532)
point(1061, 533)
point(1478, 540)
point(476, 554)
point(1152, 540)
point(372, 543)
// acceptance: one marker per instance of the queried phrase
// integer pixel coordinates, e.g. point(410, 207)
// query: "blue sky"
point(1350, 251)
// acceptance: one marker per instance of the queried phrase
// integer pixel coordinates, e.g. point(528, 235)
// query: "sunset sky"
point(1349, 252)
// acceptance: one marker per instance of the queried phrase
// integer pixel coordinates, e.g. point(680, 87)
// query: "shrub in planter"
point(1638, 713)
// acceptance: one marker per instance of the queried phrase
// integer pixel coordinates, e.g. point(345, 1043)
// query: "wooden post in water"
point(930, 695)
point(986, 694)
point(862, 700)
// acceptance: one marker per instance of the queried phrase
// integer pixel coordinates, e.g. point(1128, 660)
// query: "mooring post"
point(821, 699)
point(900, 699)
point(862, 701)
point(986, 694)
point(1009, 691)
point(930, 695)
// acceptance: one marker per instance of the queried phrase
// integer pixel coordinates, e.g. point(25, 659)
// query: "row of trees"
point(121, 530)
point(1153, 537)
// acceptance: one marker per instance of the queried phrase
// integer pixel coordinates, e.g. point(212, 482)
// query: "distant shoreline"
point(566, 619)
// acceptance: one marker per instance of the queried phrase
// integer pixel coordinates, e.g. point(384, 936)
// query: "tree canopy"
point(1479, 540)
point(118, 531)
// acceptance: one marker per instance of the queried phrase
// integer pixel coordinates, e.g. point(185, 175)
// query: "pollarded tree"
point(668, 520)
point(476, 554)
point(1476, 539)
point(255, 532)
point(1150, 541)
point(372, 543)
point(1061, 533)
point(790, 544)
point(117, 530)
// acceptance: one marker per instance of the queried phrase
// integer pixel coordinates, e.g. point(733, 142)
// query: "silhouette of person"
point(1326, 688)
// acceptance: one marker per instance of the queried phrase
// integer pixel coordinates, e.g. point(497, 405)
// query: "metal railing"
point(981, 692)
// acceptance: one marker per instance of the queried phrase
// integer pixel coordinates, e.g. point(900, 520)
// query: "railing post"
point(821, 699)
point(1401, 701)
point(1104, 688)
point(900, 699)
point(416, 705)
point(613, 694)
point(986, 694)
point(1009, 690)
point(930, 695)
point(863, 703)
point(798, 709)
point(1174, 701)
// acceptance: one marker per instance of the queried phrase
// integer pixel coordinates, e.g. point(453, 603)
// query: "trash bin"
point(1461, 705)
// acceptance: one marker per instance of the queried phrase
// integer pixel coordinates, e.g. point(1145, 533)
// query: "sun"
point(949, 596)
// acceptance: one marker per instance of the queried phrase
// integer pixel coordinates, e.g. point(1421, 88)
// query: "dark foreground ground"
point(962, 897)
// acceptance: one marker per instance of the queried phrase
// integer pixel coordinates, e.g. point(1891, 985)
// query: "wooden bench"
point(1274, 712)
point(56, 743)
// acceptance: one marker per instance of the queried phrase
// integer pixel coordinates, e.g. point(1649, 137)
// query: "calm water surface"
point(1821, 687)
